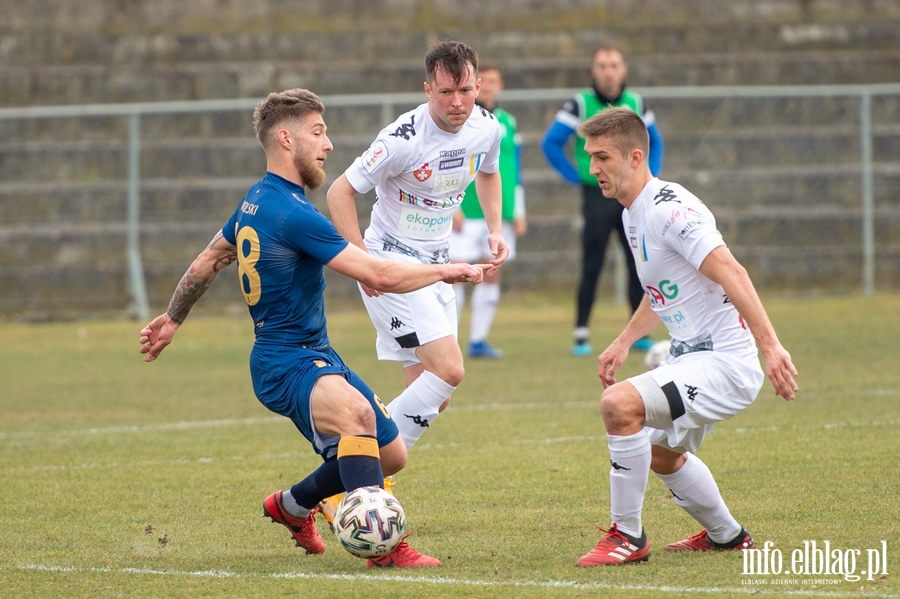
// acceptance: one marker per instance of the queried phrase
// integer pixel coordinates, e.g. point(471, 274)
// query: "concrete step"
point(418, 16)
point(213, 199)
point(509, 42)
point(82, 84)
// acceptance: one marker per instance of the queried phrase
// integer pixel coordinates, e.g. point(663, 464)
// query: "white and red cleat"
point(615, 549)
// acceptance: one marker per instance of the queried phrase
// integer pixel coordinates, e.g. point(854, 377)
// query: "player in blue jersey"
point(281, 244)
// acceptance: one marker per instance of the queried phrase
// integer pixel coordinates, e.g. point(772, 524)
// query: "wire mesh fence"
point(105, 205)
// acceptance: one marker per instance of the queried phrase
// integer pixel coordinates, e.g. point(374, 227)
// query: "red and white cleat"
point(302, 529)
point(615, 549)
point(702, 542)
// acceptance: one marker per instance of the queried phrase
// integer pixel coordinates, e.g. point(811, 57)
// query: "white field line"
point(149, 463)
point(197, 424)
point(445, 581)
point(825, 427)
point(172, 426)
point(492, 407)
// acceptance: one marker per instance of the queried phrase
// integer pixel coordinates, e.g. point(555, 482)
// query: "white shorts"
point(471, 244)
point(404, 321)
point(686, 396)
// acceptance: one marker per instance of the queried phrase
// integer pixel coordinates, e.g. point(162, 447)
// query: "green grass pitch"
point(125, 479)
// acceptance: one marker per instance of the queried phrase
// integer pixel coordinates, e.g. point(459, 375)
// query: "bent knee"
point(359, 417)
point(621, 406)
point(452, 374)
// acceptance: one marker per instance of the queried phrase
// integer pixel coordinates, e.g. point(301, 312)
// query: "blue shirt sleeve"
point(310, 232)
point(228, 229)
point(554, 145)
point(655, 160)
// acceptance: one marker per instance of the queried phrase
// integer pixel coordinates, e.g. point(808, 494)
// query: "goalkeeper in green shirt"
point(468, 240)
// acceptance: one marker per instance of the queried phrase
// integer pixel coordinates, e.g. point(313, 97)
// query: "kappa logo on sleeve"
point(406, 129)
point(665, 195)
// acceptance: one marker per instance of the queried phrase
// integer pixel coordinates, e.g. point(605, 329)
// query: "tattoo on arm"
point(192, 287)
point(189, 290)
point(224, 261)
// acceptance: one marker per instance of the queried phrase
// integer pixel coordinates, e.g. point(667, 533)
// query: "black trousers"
point(602, 216)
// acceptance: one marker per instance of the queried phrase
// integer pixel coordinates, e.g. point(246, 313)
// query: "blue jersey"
point(283, 243)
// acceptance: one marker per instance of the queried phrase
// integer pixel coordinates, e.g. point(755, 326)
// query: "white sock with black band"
point(416, 408)
point(695, 490)
point(630, 458)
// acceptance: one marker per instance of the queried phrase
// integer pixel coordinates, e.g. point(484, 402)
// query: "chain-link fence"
point(104, 206)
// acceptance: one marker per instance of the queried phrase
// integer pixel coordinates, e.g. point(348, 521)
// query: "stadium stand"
point(784, 171)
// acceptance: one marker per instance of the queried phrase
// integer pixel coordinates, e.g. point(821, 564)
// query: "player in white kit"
point(420, 166)
point(704, 297)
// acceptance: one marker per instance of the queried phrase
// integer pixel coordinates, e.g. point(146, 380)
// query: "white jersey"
point(671, 232)
point(420, 173)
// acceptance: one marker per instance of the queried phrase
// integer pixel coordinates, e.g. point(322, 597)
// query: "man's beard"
point(310, 172)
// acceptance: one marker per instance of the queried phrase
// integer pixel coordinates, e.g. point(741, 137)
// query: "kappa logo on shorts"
point(396, 323)
point(691, 392)
point(320, 363)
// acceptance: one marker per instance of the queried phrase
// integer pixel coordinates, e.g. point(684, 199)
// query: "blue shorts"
point(283, 380)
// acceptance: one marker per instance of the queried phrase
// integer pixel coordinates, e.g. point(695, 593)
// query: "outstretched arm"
point(393, 276)
point(723, 268)
point(198, 278)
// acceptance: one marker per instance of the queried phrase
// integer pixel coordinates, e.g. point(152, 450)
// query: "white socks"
point(485, 298)
point(416, 408)
point(695, 490)
point(460, 290)
point(630, 458)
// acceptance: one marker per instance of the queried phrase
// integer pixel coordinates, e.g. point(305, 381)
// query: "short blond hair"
point(278, 107)
point(623, 125)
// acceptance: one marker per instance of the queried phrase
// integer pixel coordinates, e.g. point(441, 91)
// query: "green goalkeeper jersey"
point(510, 154)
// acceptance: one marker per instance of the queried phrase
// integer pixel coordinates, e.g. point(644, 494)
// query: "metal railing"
point(387, 102)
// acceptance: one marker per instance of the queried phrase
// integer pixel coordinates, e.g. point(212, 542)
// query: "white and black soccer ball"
point(656, 355)
point(369, 522)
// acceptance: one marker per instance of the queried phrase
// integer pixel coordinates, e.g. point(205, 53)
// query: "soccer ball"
point(369, 522)
point(657, 353)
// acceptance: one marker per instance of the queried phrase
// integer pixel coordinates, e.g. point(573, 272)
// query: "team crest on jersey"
point(423, 173)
